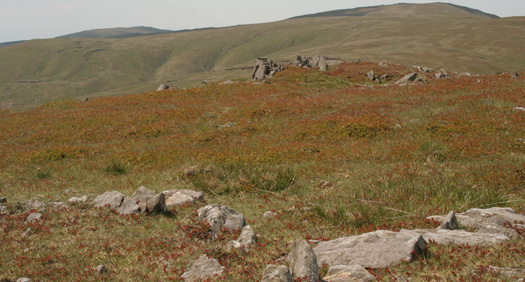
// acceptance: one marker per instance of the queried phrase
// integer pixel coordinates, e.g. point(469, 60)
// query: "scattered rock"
point(466, 74)
point(247, 237)
point(202, 268)
point(199, 196)
point(514, 75)
point(2, 208)
point(265, 68)
point(179, 199)
point(357, 61)
point(325, 184)
point(519, 109)
point(442, 74)
point(371, 75)
point(167, 87)
point(33, 217)
point(377, 249)
point(303, 262)
point(227, 125)
point(383, 64)
point(348, 273)
point(3, 200)
point(220, 217)
point(478, 218)
point(58, 204)
point(113, 199)
point(268, 214)
point(233, 244)
point(407, 78)
point(128, 206)
point(450, 222)
point(227, 82)
point(23, 280)
point(276, 273)
point(77, 200)
point(36, 205)
point(148, 201)
point(26, 233)
point(102, 269)
point(457, 237)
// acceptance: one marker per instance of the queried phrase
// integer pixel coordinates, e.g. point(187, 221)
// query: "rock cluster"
point(265, 68)
point(167, 87)
point(315, 62)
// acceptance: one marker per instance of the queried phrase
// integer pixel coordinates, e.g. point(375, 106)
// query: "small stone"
point(519, 109)
point(233, 244)
point(202, 268)
point(26, 233)
point(450, 222)
point(303, 262)
point(348, 273)
point(82, 199)
point(276, 273)
point(269, 214)
point(228, 125)
point(33, 217)
point(102, 269)
point(247, 237)
point(179, 199)
point(23, 280)
point(3, 200)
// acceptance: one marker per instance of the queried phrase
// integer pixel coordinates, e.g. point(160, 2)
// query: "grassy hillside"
point(37, 71)
point(119, 32)
point(332, 154)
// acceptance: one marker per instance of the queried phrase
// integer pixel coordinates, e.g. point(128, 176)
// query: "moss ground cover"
point(330, 153)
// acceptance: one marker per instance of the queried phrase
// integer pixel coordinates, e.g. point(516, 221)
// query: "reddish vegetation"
point(390, 156)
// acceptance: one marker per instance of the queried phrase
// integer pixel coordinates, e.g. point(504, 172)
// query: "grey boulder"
point(303, 262)
point(202, 268)
point(149, 201)
point(113, 199)
point(377, 249)
point(220, 217)
point(457, 237)
point(348, 273)
point(276, 273)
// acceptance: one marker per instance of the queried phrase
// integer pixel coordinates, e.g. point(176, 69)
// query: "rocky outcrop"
point(220, 217)
point(167, 87)
point(276, 273)
point(377, 249)
point(457, 237)
point(303, 262)
point(315, 62)
point(149, 201)
point(202, 268)
point(478, 218)
point(265, 68)
point(348, 273)
point(128, 206)
point(407, 78)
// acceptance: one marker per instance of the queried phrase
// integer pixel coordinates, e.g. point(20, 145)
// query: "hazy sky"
point(30, 19)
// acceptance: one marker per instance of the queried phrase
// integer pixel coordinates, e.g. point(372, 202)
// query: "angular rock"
point(33, 217)
point(128, 206)
point(179, 199)
point(197, 195)
point(233, 244)
point(377, 249)
point(450, 222)
point(265, 68)
point(348, 273)
point(3, 200)
point(2, 208)
point(478, 218)
point(113, 199)
point(82, 199)
point(323, 65)
point(276, 273)
point(149, 201)
point(407, 78)
point(457, 237)
point(371, 75)
point(441, 74)
point(101, 269)
point(202, 268)
point(303, 262)
point(247, 237)
point(166, 87)
point(221, 217)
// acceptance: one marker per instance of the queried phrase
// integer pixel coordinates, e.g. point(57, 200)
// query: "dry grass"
point(330, 156)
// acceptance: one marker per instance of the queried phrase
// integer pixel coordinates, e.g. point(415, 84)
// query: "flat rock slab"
point(478, 218)
point(113, 199)
point(197, 195)
point(128, 206)
point(33, 217)
point(202, 268)
point(377, 249)
point(348, 273)
point(457, 237)
point(179, 199)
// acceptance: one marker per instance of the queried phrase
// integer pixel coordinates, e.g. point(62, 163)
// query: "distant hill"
point(5, 44)
point(449, 36)
point(119, 32)
point(405, 10)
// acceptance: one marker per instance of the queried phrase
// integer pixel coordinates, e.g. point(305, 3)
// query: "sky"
point(35, 19)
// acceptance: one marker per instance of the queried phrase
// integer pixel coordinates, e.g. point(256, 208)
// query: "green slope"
point(37, 71)
point(119, 32)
